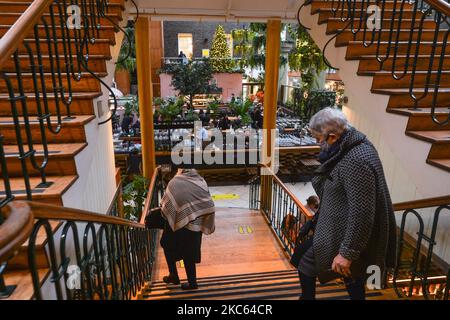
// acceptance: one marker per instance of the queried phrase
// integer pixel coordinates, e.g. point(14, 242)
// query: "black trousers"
point(356, 288)
point(189, 266)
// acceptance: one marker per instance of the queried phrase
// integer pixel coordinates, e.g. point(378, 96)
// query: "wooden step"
point(20, 260)
point(432, 136)
point(72, 130)
point(385, 80)
point(334, 24)
point(22, 279)
point(427, 35)
point(10, 17)
point(87, 83)
point(443, 164)
point(61, 159)
point(421, 120)
point(400, 98)
point(104, 33)
point(96, 63)
point(99, 47)
point(371, 64)
point(21, 6)
point(356, 49)
point(50, 195)
point(121, 2)
point(317, 6)
point(325, 14)
point(81, 104)
point(440, 151)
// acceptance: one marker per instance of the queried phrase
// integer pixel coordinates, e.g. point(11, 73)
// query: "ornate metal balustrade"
point(389, 25)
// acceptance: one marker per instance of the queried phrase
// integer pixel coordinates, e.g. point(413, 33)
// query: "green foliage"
point(132, 107)
point(220, 53)
point(241, 109)
point(134, 194)
point(193, 78)
point(127, 53)
point(169, 109)
point(305, 57)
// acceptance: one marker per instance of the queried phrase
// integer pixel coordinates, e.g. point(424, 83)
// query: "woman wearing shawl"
point(188, 208)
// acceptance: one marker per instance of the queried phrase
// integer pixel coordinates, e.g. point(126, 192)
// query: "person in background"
point(356, 225)
point(312, 204)
point(189, 212)
point(126, 122)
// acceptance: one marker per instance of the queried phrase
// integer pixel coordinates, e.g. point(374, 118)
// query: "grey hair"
point(329, 120)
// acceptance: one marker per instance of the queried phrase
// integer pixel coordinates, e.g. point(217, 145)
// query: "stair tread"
point(75, 95)
point(56, 150)
point(441, 163)
point(48, 74)
point(431, 136)
point(420, 112)
point(59, 186)
point(406, 90)
point(76, 121)
point(22, 278)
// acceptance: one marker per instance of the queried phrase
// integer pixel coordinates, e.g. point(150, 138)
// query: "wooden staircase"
point(275, 285)
point(420, 125)
point(62, 147)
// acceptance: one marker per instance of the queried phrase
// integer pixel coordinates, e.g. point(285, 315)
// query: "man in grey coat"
point(356, 225)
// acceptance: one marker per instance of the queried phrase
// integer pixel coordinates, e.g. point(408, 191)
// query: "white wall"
point(404, 158)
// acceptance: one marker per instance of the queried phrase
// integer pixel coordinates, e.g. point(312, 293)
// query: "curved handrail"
point(289, 193)
point(422, 203)
point(15, 229)
point(18, 31)
point(148, 199)
point(52, 212)
point(440, 5)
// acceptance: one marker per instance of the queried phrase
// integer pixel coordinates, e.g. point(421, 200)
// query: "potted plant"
point(134, 195)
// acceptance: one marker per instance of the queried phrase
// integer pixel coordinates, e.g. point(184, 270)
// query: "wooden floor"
point(241, 260)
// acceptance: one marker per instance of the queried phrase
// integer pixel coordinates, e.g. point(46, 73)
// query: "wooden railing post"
point(273, 44)
point(145, 93)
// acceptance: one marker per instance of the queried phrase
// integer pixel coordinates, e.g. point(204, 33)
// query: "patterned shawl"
point(188, 203)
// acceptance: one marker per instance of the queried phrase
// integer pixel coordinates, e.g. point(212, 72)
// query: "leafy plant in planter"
point(241, 109)
point(132, 107)
point(171, 108)
point(127, 53)
point(134, 194)
point(193, 78)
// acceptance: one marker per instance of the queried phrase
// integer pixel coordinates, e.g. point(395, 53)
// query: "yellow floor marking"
point(225, 196)
point(245, 229)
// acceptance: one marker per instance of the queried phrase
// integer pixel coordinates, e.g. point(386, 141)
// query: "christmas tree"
point(220, 52)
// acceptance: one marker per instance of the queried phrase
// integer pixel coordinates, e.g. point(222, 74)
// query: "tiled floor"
point(241, 194)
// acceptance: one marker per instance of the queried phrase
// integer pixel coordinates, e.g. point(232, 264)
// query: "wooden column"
point(145, 93)
point(273, 44)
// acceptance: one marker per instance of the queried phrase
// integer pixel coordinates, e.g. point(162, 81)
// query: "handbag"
point(154, 219)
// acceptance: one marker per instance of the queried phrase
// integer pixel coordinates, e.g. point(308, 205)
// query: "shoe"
point(189, 286)
point(171, 279)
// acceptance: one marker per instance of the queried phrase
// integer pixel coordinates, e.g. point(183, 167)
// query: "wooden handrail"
point(15, 229)
point(18, 31)
point(290, 194)
point(51, 212)
point(422, 203)
point(148, 199)
point(440, 5)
